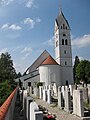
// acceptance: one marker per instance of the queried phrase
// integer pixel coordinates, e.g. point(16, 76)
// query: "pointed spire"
point(60, 6)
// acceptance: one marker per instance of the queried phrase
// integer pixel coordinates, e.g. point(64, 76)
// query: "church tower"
point(63, 52)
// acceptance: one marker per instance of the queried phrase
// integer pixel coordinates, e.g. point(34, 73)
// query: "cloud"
point(4, 50)
point(26, 50)
point(29, 3)
point(11, 27)
point(5, 2)
point(31, 22)
point(50, 42)
point(81, 42)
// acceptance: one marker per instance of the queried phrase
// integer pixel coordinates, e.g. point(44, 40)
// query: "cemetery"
point(70, 99)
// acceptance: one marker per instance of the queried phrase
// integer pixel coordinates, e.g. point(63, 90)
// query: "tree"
point(87, 72)
point(81, 72)
point(77, 61)
point(7, 71)
point(5, 90)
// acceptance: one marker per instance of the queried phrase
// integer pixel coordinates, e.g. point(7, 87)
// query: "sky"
point(27, 28)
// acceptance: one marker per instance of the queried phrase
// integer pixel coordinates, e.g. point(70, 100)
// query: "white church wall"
point(50, 74)
point(33, 81)
point(67, 75)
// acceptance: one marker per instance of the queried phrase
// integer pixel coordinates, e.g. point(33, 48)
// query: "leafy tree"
point(87, 72)
point(5, 90)
point(81, 72)
point(7, 71)
point(77, 61)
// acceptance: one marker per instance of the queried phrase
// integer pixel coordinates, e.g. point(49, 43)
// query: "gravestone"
point(25, 102)
point(72, 87)
point(36, 92)
point(60, 98)
point(40, 92)
point(78, 107)
point(49, 96)
point(44, 95)
point(55, 89)
point(63, 89)
point(35, 114)
point(29, 100)
point(67, 99)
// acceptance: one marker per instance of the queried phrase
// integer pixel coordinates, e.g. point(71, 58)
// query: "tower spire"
point(60, 5)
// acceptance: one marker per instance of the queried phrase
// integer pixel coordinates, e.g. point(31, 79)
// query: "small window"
point(65, 62)
point(66, 42)
point(66, 27)
point(65, 52)
point(64, 34)
point(62, 41)
point(56, 43)
point(61, 27)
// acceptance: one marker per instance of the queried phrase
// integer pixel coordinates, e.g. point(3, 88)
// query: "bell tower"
point(63, 51)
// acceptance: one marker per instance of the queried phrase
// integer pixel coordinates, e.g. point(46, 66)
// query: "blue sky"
point(27, 27)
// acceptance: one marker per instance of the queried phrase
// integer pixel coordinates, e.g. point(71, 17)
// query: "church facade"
point(51, 71)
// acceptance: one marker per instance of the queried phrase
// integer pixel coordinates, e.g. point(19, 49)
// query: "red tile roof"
point(5, 106)
point(49, 61)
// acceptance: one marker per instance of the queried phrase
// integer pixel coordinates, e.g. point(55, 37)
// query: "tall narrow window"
point(56, 43)
point(66, 42)
point(65, 52)
point(65, 62)
point(66, 27)
point(63, 26)
point(62, 41)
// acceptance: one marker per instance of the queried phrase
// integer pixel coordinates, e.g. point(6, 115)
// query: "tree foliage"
point(83, 71)
point(7, 71)
point(5, 90)
point(7, 76)
point(77, 61)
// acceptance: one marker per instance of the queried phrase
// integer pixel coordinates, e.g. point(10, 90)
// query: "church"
point(49, 70)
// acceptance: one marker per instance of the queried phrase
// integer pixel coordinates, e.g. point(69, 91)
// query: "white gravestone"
point(35, 114)
point(60, 98)
point(67, 100)
point(49, 96)
point(29, 100)
point(78, 107)
point(40, 92)
point(44, 95)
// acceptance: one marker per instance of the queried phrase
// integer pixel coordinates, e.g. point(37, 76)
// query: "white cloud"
point(50, 42)
point(14, 27)
point(29, 3)
point(5, 2)
point(4, 50)
point(26, 50)
point(31, 22)
point(83, 41)
point(11, 27)
point(18, 67)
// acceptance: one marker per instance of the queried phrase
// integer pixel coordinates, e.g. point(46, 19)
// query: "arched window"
point(56, 43)
point(64, 34)
point(62, 41)
point(63, 26)
point(66, 42)
point(65, 62)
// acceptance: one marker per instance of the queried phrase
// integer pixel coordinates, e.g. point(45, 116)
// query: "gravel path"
point(60, 114)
